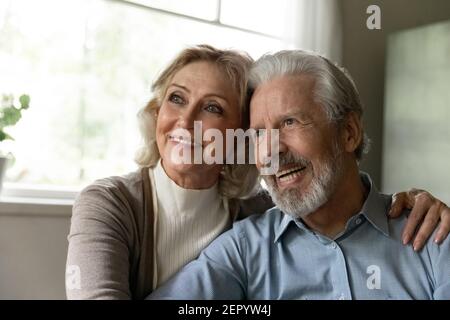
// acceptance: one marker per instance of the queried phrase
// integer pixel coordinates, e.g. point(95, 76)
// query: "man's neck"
point(347, 200)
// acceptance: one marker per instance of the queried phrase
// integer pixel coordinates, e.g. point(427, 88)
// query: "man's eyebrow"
point(290, 113)
point(295, 112)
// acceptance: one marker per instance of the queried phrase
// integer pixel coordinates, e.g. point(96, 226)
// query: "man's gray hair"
point(334, 89)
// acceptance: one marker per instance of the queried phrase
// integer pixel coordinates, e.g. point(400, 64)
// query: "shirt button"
point(333, 245)
point(342, 297)
point(358, 221)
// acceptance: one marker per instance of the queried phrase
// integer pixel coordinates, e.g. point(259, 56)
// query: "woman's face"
point(198, 92)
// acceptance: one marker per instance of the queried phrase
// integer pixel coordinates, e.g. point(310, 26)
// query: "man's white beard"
point(299, 204)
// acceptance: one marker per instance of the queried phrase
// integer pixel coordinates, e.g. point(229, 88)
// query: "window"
point(203, 9)
point(266, 16)
point(88, 66)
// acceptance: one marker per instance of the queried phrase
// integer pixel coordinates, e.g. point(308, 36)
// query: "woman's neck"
point(194, 179)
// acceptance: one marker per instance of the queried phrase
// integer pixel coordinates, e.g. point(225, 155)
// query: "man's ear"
point(352, 132)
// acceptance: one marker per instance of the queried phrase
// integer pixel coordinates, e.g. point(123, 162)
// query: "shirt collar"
point(374, 210)
point(284, 224)
point(375, 207)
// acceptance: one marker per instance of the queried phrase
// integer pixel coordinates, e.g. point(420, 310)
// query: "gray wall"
point(33, 250)
point(364, 56)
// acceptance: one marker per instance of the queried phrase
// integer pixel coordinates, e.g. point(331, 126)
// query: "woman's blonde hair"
point(236, 180)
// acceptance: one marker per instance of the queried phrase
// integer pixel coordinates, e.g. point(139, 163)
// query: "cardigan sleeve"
point(100, 241)
point(255, 205)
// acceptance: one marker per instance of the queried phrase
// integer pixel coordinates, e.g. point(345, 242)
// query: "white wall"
point(33, 248)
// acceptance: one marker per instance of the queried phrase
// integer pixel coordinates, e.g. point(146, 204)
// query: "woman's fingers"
point(444, 227)
point(399, 203)
point(427, 227)
point(423, 202)
point(424, 217)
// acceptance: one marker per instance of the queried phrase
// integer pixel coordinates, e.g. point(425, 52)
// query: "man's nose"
point(269, 144)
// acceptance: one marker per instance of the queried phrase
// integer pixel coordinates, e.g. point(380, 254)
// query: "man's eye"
point(214, 108)
point(175, 98)
point(288, 122)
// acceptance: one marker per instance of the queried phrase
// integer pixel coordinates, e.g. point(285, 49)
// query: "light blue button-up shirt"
point(274, 256)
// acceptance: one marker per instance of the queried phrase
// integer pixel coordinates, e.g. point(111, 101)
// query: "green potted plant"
point(10, 114)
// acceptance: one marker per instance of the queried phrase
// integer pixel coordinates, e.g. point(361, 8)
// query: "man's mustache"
point(291, 158)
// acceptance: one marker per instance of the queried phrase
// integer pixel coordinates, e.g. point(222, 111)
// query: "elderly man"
point(329, 236)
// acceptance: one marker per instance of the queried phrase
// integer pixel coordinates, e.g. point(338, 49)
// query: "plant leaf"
point(24, 101)
point(10, 116)
point(5, 136)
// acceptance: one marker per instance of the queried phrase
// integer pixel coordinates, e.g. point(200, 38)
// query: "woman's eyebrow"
point(218, 95)
point(179, 86)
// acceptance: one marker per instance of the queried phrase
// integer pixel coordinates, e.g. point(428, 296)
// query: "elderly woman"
point(129, 234)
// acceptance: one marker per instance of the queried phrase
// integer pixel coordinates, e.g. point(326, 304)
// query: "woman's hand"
point(426, 213)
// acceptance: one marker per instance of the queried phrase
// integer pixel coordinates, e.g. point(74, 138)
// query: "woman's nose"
point(187, 117)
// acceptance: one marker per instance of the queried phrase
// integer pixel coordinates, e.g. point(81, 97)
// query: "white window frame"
point(215, 22)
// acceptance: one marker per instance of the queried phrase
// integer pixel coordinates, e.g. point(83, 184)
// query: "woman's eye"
point(214, 108)
point(175, 98)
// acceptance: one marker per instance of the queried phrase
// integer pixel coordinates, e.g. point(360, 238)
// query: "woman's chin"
point(180, 167)
point(184, 168)
point(192, 176)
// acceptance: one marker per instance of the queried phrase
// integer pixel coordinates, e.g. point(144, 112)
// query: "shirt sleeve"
point(98, 252)
point(440, 255)
point(217, 274)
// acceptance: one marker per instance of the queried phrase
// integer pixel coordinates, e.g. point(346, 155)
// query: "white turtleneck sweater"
point(186, 221)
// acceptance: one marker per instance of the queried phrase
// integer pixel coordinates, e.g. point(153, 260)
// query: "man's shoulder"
point(394, 225)
point(249, 235)
point(397, 225)
point(259, 225)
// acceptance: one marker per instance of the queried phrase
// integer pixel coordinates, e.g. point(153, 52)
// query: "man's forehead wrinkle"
point(269, 107)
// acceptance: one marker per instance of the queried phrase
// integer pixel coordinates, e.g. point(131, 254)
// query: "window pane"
point(88, 66)
point(204, 9)
point(266, 16)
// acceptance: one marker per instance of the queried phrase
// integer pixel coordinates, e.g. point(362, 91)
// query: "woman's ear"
point(352, 132)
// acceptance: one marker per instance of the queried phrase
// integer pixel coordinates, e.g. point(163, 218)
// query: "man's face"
point(309, 153)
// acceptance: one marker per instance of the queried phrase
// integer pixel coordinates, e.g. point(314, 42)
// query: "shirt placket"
point(338, 269)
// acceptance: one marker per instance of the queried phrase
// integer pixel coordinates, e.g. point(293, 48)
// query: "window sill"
point(35, 206)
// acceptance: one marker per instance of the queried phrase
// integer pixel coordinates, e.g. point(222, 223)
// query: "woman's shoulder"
point(131, 181)
point(257, 204)
point(122, 193)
